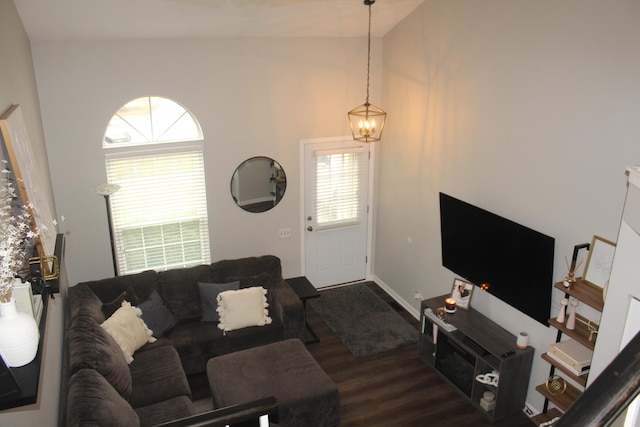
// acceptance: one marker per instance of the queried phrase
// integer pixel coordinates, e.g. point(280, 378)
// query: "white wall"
point(527, 109)
point(623, 285)
point(18, 86)
point(252, 97)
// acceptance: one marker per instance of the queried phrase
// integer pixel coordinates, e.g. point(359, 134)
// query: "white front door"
point(336, 218)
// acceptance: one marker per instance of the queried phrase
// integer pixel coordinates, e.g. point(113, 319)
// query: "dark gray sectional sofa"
point(104, 390)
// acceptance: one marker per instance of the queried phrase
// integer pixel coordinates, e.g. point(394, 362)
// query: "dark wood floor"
point(394, 388)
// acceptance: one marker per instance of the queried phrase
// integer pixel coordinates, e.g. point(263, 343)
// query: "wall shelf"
point(28, 377)
point(592, 296)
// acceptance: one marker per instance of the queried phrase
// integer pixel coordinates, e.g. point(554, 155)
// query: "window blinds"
point(160, 212)
point(338, 198)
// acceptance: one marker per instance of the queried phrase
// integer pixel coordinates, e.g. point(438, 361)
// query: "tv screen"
point(513, 262)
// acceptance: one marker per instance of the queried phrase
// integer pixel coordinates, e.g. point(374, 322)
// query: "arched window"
point(153, 151)
point(151, 120)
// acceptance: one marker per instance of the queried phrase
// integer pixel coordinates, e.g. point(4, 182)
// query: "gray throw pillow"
point(156, 315)
point(209, 298)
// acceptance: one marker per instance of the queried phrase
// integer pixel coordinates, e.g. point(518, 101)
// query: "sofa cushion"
point(128, 330)
point(92, 401)
point(255, 336)
point(156, 315)
point(157, 376)
point(84, 302)
point(179, 290)
point(108, 308)
point(91, 347)
point(223, 270)
point(209, 298)
point(109, 289)
point(162, 412)
point(243, 308)
point(196, 342)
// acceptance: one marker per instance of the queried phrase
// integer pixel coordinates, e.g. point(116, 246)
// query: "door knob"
point(309, 228)
point(309, 218)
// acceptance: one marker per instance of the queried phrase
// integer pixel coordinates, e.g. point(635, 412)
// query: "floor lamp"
point(106, 190)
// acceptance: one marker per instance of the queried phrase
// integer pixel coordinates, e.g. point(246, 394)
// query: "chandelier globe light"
point(367, 120)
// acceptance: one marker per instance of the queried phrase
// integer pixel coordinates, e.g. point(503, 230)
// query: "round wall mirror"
point(258, 184)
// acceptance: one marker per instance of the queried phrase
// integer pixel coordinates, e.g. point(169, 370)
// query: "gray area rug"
point(364, 323)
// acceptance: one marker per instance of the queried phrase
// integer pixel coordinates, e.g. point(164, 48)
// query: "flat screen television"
point(512, 262)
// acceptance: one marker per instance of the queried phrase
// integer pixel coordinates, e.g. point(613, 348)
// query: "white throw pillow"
point(243, 308)
point(128, 329)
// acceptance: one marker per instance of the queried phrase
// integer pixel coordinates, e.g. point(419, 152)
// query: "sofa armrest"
point(288, 308)
point(228, 415)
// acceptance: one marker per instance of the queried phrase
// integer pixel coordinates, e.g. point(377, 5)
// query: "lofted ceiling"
point(127, 19)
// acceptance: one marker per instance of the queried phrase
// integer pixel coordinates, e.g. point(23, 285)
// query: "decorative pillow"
point(156, 315)
point(209, 298)
point(128, 330)
point(264, 280)
point(108, 308)
point(242, 308)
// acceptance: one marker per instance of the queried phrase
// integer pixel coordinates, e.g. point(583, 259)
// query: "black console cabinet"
point(477, 346)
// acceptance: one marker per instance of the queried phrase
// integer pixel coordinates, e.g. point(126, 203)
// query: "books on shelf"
point(23, 296)
point(26, 301)
point(37, 307)
point(572, 355)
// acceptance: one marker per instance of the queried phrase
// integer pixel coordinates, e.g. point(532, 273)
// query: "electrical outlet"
point(418, 296)
point(284, 233)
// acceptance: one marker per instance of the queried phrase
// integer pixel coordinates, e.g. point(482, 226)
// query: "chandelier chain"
point(368, 54)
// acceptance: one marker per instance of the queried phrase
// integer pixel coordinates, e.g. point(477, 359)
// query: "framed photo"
point(598, 267)
point(461, 292)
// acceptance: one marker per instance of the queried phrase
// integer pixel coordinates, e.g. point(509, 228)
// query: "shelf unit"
point(477, 346)
point(592, 296)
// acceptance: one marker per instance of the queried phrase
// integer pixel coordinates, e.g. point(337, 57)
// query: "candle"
point(450, 305)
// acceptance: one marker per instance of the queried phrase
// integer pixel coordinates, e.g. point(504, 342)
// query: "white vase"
point(19, 335)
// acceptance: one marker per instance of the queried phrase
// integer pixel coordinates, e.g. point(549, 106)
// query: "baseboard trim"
point(410, 309)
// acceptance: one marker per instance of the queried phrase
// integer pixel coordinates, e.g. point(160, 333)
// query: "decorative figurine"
point(563, 309)
point(571, 321)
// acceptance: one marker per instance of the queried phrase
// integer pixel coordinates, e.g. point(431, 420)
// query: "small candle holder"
point(569, 281)
point(450, 305)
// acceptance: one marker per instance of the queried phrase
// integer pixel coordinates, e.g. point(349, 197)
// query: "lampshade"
point(367, 121)
point(106, 189)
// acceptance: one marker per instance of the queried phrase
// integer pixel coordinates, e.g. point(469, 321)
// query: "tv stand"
point(474, 345)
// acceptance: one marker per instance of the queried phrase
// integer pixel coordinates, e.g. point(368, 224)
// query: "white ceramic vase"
point(19, 335)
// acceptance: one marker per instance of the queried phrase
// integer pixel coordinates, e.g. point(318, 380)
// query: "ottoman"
point(306, 396)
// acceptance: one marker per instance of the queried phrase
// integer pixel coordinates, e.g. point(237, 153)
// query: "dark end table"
point(305, 291)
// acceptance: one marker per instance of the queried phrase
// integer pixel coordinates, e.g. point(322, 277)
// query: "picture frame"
point(598, 267)
point(462, 291)
point(13, 133)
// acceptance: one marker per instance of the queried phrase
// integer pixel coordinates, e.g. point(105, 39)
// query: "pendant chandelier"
point(367, 120)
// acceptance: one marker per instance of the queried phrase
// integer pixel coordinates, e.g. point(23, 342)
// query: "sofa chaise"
point(149, 386)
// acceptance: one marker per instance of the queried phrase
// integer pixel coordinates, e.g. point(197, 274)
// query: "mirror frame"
point(260, 193)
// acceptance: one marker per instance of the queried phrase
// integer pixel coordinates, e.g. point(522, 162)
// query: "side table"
point(305, 291)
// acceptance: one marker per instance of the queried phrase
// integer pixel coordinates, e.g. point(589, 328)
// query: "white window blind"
point(160, 212)
point(339, 175)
